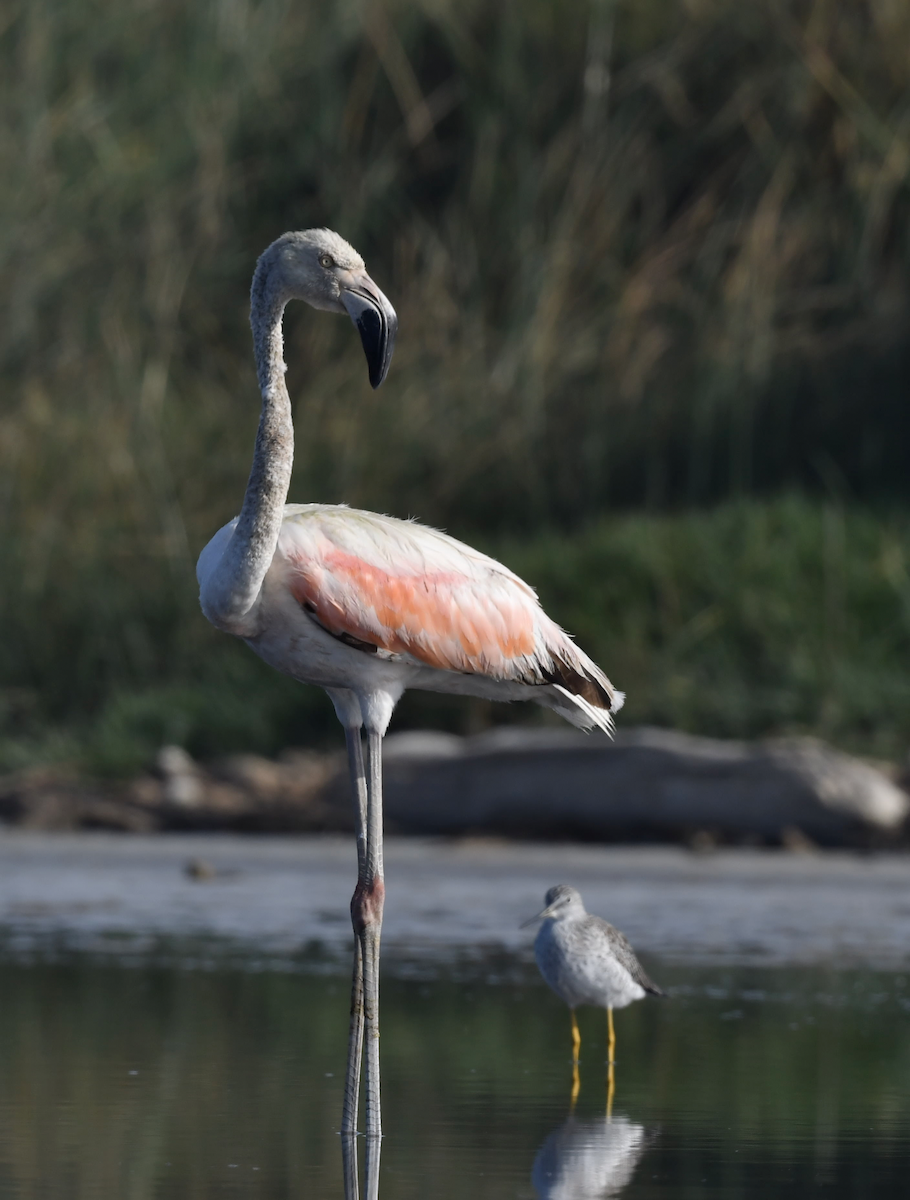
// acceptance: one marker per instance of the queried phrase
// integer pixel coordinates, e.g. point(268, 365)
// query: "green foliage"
point(783, 617)
point(750, 619)
point(640, 251)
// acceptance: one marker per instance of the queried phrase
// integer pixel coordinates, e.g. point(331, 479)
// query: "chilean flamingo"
point(366, 605)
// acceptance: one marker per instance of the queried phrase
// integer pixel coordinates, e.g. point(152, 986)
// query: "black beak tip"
point(377, 324)
point(377, 375)
point(377, 335)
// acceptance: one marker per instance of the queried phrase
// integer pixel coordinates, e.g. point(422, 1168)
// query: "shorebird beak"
point(533, 920)
point(376, 321)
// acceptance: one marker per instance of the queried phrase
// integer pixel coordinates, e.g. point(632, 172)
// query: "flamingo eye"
point(326, 260)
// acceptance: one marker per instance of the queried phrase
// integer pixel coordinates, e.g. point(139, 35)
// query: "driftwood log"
point(650, 784)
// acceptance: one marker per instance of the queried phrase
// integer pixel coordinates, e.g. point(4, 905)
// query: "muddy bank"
point(649, 785)
point(274, 899)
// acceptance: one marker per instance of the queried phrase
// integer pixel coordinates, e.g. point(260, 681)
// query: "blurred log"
point(650, 784)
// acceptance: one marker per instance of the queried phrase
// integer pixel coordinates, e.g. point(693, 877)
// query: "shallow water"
point(173, 1080)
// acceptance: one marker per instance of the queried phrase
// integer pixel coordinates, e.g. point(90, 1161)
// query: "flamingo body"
point(366, 606)
point(357, 601)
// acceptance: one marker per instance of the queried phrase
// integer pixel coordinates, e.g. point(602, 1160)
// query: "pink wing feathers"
point(439, 617)
point(406, 589)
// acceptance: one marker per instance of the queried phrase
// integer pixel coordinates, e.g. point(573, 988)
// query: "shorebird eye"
point(326, 260)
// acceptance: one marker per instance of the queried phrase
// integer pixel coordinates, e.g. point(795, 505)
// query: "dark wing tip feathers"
point(644, 980)
point(577, 684)
point(622, 950)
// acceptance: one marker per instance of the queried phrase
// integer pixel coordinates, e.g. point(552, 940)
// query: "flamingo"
point(366, 606)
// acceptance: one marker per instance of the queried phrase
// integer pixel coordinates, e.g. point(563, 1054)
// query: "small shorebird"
point(586, 961)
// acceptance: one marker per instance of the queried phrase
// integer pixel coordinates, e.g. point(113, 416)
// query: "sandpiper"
point(586, 961)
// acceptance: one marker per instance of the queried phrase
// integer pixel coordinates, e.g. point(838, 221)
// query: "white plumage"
point(588, 1160)
point(584, 959)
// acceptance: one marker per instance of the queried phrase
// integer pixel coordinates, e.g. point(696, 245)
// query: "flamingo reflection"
point(350, 1144)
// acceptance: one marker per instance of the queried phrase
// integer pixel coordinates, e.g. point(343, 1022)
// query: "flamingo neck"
point(247, 557)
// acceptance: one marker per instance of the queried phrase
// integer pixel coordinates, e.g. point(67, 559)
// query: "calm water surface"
point(179, 1081)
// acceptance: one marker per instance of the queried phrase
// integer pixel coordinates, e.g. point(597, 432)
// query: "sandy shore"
point(272, 897)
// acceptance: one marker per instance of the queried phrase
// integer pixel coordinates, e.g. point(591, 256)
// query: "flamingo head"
point(320, 267)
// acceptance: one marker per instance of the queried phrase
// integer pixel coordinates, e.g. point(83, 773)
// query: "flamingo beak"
point(376, 321)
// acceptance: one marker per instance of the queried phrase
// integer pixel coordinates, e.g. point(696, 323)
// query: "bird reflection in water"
point(588, 1159)
point(350, 1143)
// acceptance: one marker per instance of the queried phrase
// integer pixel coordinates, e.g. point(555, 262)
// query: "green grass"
point(751, 619)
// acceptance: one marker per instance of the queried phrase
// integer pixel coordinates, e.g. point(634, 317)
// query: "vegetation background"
point(650, 259)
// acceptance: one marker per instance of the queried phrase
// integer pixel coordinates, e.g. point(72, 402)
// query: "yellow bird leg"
point(611, 1088)
point(611, 1033)
point(576, 1046)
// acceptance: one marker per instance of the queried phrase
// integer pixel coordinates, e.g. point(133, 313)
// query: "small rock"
point(182, 785)
point(703, 841)
point(254, 774)
point(200, 870)
point(793, 839)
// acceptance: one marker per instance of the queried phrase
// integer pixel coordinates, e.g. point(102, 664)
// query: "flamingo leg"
point(372, 896)
point(355, 1033)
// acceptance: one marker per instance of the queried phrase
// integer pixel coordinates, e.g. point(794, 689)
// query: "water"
point(174, 1080)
